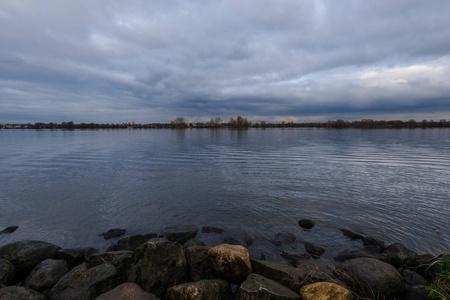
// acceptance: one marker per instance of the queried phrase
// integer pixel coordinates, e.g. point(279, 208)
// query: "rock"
point(231, 262)
point(306, 223)
point(19, 292)
point(256, 254)
point(357, 253)
point(127, 290)
point(212, 229)
point(84, 283)
point(25, 255)
point(112, 247)
point(283, 238)
point(7, 271)
point(396, 253)
point(417, 292)
point(75, 256)
point(112, 233)
point(180, 233)
point(313, 249)
point(371, 276)
point(46, 274)
point(258, 287)
point(425, 265)
point(217, 289)
point(156, 265)
point(314, 271)
point(231, 241)
point(288, 276)
point(193, 242)
point(411, 278)
point(249, 238)
point(370, 241)
point(130, 243)
point(198, 264)
point(9, 229)
point(326, 291)
point(293, 259)
point(116, 258)
point(351, 234)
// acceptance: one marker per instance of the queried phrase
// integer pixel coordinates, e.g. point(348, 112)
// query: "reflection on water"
point(66, 187)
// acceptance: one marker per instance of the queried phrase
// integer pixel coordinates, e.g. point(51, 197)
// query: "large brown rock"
point(128, 290)
point(84, 283)
point(46, 274)
point(231, 262)
point(257, 287)
point(157, 265)
point(217, 289)
point(325, 291)
point(25, 255)
point(371, 277)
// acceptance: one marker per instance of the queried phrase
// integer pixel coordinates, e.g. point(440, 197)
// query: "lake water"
point(66, 187)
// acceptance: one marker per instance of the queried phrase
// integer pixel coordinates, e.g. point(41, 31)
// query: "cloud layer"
point(150, 61)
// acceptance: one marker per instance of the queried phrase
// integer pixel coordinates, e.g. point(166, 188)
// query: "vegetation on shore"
point(239, 122)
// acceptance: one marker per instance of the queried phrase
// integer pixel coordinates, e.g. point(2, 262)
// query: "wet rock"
point(288, 276)
point(396, 253)
point(294, 259)
point(46, 274)
point(306, 223)
point(231, 241)
point(314, 250)
point(314, 271)
point(370, 241)
point(75, 256)
point(9, 229)
point(84, 283)
point(25, 255)
point(259, 287)
point(417, 292)
point(112, 247)
point(116, 258)
point(351, 234)
point(357, 253)
point(256, 254)
point(371, 276)
point(130, 243)
point(249, 238)
point(283, 238)
point(19, 292)
point(7, 271)
point(193, 242)
point(212, 229)
point(411, 278)
point(425, 265)
point(156, 265)
point(127, 290)
point(198, 264)
point(325, 290)
point(230, 262)
point(112, 233)
point(217, 289)
point(180, 233)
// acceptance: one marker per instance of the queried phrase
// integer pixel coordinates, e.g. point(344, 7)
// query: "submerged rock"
point(112, 233)
point(25, 255)
point(231, 241)
point(283, 238)
point(212, 229)
point(180, 233)
point(217, 289)
point(371, 276)
point(156, 265)
point(351, 234)
point(315, 250)
point(231, 262)
point(294, 259)
point(249, 238)
point(260, 287)
point(193, 242)
point(9, 229)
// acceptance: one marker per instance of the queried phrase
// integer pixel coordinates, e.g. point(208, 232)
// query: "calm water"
point(66, 187)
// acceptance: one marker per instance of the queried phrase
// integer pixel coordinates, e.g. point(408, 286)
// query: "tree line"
point(238, 122)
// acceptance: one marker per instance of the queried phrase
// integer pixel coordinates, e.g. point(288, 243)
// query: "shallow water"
point(66, 187)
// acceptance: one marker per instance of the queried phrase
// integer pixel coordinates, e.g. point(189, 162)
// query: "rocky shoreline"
point(176, 265)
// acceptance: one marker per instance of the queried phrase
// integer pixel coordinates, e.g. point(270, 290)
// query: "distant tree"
point(179, 122)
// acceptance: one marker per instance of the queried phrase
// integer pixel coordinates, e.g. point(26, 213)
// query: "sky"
point(152, 61)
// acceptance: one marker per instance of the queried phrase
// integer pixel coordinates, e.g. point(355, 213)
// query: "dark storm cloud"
point(150, 61)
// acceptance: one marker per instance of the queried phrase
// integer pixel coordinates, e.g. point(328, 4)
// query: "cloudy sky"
point(151, 61)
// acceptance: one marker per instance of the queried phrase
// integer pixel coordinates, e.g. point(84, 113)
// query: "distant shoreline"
point(239, 123)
